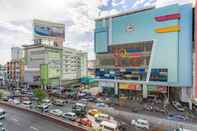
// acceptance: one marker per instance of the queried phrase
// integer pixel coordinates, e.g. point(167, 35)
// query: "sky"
point(78, 16)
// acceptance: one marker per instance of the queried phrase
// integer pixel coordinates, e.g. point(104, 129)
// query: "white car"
point(27, 104)
point(141, 123)
point(47, 102)
point(70, 116)
point(56, 112)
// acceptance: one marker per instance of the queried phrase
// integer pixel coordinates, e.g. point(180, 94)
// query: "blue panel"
point(101, 45)
point(185, 46)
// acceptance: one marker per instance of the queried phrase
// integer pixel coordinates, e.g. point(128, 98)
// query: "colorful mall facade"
point(147, 51)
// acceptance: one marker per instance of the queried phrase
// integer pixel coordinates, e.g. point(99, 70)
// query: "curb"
point(50, 118)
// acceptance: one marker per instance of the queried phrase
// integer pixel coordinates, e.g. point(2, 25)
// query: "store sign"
point(107, 84)
point(126, 86)
point(161, 89)
point(130, 28)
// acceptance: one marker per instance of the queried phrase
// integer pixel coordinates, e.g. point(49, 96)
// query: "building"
point(45, 60)
point(16, 53)
point(3, 75)
point(146, 51)
point(15, 72)
point(15, 67)
point(91, 68)
point(74, 64)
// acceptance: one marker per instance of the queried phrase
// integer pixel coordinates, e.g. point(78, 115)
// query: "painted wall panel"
point(185, 46)
point(101, 42)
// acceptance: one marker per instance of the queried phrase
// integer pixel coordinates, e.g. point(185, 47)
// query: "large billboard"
point(44, 29)
point(54, 63)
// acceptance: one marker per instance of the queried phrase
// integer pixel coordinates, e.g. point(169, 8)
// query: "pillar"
point(116, 88)
point(145, 91)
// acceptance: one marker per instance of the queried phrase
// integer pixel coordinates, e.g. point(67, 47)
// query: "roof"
point(128, 12)
point(39, 46)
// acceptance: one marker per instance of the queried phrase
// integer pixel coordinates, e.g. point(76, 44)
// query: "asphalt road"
point(17, 120)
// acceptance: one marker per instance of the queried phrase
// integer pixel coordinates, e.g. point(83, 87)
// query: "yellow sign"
point(174, 28)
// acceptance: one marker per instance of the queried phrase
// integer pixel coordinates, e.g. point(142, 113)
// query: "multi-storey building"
point(145, 51)
point(38, 55)
point(74, 64)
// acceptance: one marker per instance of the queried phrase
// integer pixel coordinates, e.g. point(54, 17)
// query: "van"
point(141, 123)
point(108, 126)
point(70, 116)
point(2, 113)
point(58, 102)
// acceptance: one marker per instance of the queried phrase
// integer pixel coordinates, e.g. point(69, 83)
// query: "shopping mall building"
point(146, 51)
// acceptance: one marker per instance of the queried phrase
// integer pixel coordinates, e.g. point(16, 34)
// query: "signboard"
point(54, 63)
point(161, 89)
point(126, 86)
point(44, 74)
point(48, 30)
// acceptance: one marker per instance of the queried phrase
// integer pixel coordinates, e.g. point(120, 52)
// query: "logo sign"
point(130, 28)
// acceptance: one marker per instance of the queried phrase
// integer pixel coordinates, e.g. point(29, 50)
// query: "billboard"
point(54, 63)
point(44, 29)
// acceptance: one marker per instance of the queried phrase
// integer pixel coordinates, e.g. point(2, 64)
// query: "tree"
point(40, 94)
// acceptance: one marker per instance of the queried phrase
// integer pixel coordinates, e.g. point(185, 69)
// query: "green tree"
point(40, 94)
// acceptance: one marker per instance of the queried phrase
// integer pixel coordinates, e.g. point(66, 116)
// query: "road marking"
point(34, 128)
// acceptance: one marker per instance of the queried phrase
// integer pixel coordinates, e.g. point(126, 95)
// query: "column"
point(116, 88)
point(145, 91)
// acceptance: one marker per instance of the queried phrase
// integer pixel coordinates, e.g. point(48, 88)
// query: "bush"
point(40, 94)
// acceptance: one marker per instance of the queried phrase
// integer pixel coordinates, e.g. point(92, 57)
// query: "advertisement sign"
point(161, 89)
point(44, 74)
point(48, 29)
point(126, 86)
point(54, 63)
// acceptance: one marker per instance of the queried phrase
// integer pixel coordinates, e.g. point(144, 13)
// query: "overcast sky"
point(78, 16)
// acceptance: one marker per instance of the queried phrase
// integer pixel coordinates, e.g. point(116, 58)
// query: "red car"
point(85, 122)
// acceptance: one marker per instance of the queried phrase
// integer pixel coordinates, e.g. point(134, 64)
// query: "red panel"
point(168, 17)
point(135, 54)
point(195, 93)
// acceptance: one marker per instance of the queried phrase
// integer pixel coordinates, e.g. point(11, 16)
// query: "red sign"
point(168, 17)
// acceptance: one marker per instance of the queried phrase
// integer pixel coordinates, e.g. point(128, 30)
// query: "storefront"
point(129, 90)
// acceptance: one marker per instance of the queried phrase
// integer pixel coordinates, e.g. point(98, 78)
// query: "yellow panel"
point(174, 28)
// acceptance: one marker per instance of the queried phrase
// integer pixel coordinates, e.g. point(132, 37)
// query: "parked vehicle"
point(176, 117)
point(108, 126)
point(102, 117)
point(70, 116)
point(79, 109)
point(94, 112)
point(141, 123)
point(27, 104)
point(85, 122)
point(181, 129)
point(101, 105)
point(56, 112)
point(47, 101)
point(58, 102)
point(1, 127)
point(2, 113)
point(44, 107)
point(5, 98)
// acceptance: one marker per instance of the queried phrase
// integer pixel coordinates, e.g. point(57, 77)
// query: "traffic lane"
point(18, 120)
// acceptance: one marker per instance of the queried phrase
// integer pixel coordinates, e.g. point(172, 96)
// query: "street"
point(17, 120)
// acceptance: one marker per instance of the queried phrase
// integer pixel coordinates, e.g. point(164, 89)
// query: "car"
point(85, 122)
point(176, 117)
point(181, 129)
point(101, 105)
point(58, 102)
point(94, 112)
point(70, 116)
point(140, 123)
point(5, 98)
point(47, 101)
point(84, 101)
point(1, 127)
point(14, 101)
point(56, 112)
point(44, 107)
point(27, 104)
point(108, 126)
point(91, 98)
point(102, 117)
